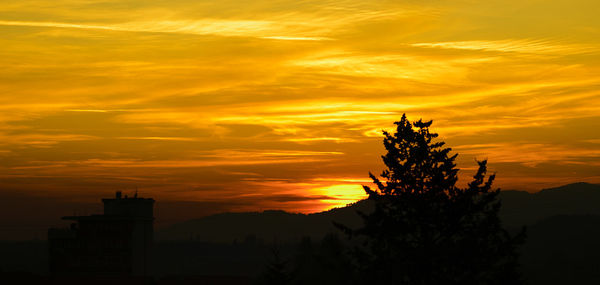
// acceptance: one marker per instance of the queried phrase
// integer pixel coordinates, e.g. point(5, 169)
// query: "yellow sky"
point(280, 104)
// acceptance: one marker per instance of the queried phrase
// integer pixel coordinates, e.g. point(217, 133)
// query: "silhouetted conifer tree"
point(426, 230)
point(277, 271)
point(325, 264)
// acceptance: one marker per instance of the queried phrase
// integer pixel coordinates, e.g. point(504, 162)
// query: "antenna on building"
point(136, 190)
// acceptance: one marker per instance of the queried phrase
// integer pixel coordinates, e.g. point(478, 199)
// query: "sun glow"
point(341, 194)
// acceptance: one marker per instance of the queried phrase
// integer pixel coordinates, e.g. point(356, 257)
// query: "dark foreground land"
point(562, 247)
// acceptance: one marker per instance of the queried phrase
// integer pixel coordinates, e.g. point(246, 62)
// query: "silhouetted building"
point(117, 242)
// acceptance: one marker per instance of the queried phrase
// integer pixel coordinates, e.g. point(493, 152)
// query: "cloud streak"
point(207, 27)
point(547, 47)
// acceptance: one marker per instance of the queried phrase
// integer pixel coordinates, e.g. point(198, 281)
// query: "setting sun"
point(342, 194)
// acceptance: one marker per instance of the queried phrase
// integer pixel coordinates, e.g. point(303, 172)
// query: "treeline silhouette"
point(560, 249)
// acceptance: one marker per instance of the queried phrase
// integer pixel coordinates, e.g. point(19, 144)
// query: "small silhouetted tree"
point(426, 230)
point(277, 271)
point(323, 263)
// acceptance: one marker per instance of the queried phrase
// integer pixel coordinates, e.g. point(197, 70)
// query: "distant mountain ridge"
point(523, 208)
point(267, 225)
point(519, 208)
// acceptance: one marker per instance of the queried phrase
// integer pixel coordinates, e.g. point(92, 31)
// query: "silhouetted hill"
point(518, 208)
point(268, 225)
point(522, 208)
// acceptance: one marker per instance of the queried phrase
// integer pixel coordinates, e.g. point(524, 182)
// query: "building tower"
point(118, 242)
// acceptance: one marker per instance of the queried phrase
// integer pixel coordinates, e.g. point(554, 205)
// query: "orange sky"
point(250, 105)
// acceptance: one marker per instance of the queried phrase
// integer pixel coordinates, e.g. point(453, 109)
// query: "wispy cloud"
point(288, 38)
point(214, 27)
point(514, 45)
point(530, 154)
point(161, 138)
point(320, 139)
point(42, 140)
